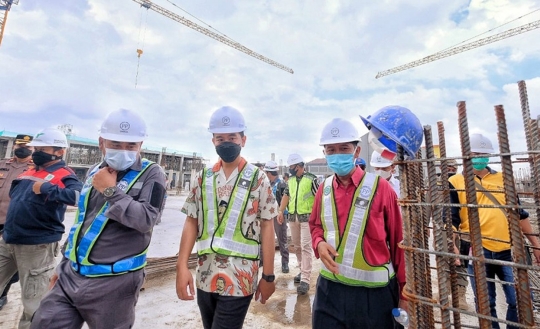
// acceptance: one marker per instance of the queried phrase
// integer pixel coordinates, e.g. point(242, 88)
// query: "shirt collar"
point(219, 164)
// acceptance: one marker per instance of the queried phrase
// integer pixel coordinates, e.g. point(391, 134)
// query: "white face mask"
point(383, 173)
point(120, 159)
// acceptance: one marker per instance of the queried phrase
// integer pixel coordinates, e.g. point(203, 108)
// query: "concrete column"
point(9, 148)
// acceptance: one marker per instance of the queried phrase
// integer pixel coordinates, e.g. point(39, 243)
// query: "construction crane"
point(5, 6)
point(223, 39)
point(459, 49)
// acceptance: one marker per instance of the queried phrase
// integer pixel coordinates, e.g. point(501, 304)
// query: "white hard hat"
point(481, 144)
point(49, 137)
point(339, 131)
point(293, 159)
point(123, 126)
point(270, 166)
point(226, 119)
point(377, 160)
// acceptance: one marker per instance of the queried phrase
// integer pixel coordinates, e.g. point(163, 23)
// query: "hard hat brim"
point(121, 138)
point(37, 143)
point(339, 141)
point(225, 130)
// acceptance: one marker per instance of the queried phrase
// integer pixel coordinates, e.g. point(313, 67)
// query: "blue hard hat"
point(396, 124)
point(359, 162)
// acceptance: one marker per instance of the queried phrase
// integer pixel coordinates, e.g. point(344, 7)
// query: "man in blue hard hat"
point(361, 163)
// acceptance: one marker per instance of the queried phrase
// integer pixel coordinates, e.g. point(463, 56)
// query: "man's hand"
point(404, 305)
point(52, 280)
point(105, 177)
point(36, 188)
point(457, 261)
point(265, 290)
point(184, 280)
point(280, 217)
point(327, 254)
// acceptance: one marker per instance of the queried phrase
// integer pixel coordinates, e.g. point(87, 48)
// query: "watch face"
point(109, 191)
point(269, 278)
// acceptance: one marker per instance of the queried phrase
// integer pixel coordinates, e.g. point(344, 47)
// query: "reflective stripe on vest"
point(353, 267)
point(54, 177)
point(225, 236)
point(301, 198)
point(79, 255)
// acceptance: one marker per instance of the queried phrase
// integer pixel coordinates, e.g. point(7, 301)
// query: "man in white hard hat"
point(39, 197)
point(278, 187)
point(229, 214)
point(101, 273)
point(493, 224)
point(356, 226)
point(384, 168)
point(298, 199)
point(10, 169)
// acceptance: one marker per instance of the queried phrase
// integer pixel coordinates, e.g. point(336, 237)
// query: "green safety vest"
point(225, 237)
point(354, 270)
point(79, 254)
point(301, 198)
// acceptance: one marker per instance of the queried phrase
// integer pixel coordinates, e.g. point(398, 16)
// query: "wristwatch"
point(109, 191)
point(268, 278)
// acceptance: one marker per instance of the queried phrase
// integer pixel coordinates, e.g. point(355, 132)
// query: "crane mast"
point(5, 6)
point(231, 43)
point(459, 49)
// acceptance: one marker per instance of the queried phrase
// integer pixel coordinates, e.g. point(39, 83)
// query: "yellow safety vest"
point(226, 236)
point(354, 270)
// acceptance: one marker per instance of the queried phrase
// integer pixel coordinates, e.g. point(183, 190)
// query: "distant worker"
point(386, 169)
point(361, 163)
point(101, 273)
point(9, 170)
point(298, 199)
point(34, 221)
point(493, 224)
point(229, 214)
point(356, 227)
point(278, 187)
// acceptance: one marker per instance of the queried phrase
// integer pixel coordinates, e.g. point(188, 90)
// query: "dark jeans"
point(504, 273)
point(339, 306)
point(222, 312)
point(281, 235)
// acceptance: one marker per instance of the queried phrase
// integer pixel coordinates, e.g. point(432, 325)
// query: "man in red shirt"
point(355, 227)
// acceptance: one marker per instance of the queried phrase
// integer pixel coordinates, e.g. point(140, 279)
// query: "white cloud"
point(75, 64)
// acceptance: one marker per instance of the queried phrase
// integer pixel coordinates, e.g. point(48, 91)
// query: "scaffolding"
point(428, 233)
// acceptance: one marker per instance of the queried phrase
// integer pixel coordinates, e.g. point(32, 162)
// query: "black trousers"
point(222, 312)
point(339, 306)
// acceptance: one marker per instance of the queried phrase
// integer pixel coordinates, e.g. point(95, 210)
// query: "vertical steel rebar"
point(516, 237)
point(447, 219)
point(439, 234)
point(531, 136)
point(406, 194)
point(482, 298)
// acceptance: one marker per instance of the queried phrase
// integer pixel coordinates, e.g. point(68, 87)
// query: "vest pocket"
point(375, 229)
point(38, 282)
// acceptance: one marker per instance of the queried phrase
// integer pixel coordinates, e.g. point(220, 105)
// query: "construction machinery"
point(5, 6)
point(462, 48)
point(219, 37)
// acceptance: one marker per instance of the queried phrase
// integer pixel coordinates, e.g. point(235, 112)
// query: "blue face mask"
point(341, 164)
point(479, 163)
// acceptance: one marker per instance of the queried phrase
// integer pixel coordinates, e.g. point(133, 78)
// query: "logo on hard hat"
point(226, 121)
point(483, 145)
point(37, 136)
point(124, 126)
point(334, 132)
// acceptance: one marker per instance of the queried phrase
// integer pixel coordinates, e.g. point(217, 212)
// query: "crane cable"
point(476, 36)
point(140, 49)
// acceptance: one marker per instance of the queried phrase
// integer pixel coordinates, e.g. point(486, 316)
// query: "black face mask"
point(228, 151)
point(22, 152)
point(293, 171)
point(40, 158)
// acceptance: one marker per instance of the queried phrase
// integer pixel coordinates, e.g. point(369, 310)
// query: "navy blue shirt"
point(38, 218)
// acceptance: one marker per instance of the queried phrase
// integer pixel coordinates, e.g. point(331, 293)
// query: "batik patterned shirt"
point(227, 275)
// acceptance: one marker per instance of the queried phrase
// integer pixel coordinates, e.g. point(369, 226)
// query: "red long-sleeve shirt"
point(384, 224)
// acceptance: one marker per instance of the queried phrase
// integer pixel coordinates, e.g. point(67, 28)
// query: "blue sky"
point(74, 61)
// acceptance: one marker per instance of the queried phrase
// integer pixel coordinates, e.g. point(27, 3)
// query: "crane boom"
point(150, 5)
point(5, 6)
point(459, 49)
